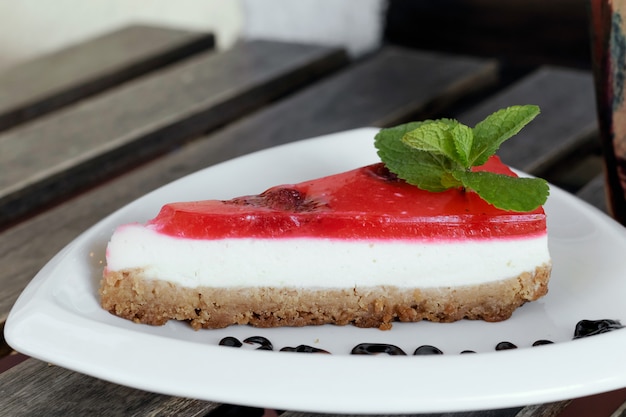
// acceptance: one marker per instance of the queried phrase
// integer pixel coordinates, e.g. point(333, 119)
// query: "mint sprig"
point(437, 155)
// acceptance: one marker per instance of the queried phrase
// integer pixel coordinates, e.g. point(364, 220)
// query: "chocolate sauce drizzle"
point(584, 328)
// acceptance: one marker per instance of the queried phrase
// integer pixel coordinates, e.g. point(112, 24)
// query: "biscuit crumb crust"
point(130, 295)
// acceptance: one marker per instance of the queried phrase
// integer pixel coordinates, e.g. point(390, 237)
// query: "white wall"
point(356, 25)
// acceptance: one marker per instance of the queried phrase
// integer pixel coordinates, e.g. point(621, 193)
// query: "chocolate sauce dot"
point(376, 348)
point(264, 343)
point(230, 341)
point(586, 328)
point(303, 349)
point(505, 346)
point(427, 350)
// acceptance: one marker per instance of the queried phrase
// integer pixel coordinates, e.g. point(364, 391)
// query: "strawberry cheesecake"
point(362, 247)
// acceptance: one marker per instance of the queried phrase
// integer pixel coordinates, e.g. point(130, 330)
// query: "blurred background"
point(521, 33)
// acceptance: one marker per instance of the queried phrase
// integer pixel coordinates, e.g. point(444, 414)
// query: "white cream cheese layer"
point(325, 263)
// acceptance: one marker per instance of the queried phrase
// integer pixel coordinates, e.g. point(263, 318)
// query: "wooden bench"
point(219, 105)
point(27, 91)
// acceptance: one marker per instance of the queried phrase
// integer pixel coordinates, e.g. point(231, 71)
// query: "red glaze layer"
point(366, 203)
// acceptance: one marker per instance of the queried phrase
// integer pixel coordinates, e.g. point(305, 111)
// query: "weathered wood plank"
point(544, 410)
point(366, 87)
point(52, 81)
point(82, 144)
point(567, 120)
point(620, 412)
point(395, 86)
point(25, 390)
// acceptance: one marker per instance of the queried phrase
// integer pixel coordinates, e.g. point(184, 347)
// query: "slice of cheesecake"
point(360, 247)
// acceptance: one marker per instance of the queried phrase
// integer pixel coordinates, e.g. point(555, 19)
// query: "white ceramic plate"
point(58, 318)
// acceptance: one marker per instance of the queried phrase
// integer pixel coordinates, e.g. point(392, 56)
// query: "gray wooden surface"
point(26, 391)
point(91, 140)
point(390, 87)
point(47, 83)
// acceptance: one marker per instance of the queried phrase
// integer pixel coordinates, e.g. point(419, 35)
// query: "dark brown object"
point(520, 33)
point(608, 24)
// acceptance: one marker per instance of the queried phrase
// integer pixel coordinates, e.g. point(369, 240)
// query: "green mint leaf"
point(505, 192)
point(498, 127)
point(437, 155)
point(433, 136)
point(463, 143)
point(445, 137)
point(417, 167)
point(428, 172)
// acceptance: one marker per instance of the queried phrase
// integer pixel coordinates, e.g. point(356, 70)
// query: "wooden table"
point(89, 129)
